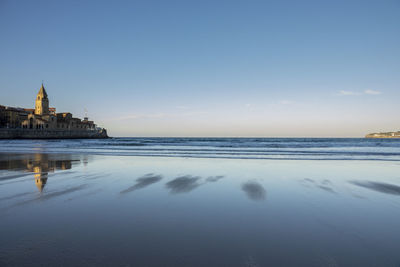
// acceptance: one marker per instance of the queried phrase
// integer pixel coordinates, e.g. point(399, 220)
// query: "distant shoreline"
point(384, 135)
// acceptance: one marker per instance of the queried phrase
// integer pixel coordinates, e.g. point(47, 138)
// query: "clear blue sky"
point(208, 68)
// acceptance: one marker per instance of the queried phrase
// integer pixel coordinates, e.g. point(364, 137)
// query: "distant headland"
point(44, 123)
point(384, 135)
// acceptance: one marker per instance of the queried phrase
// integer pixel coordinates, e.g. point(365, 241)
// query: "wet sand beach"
point(89, 209)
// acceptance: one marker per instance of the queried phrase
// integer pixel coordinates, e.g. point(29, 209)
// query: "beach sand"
point(143, 211)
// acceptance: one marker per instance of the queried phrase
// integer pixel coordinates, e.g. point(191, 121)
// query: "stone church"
point(44, 117)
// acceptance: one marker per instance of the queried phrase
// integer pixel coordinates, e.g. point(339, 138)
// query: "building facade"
point(43, 117)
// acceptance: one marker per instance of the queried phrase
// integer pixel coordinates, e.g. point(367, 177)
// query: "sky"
point(208, 68)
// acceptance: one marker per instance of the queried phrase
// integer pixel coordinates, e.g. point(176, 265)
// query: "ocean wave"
point(243, 148)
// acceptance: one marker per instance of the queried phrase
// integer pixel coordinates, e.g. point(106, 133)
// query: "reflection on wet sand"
point(325, 184)
point(379, 187)
point(187, 183)
point(121, 211)
point(11, 177)
point(39, 164)
point(214, 178)
point(183, 184)
point(15, 196)
point(41, 180)
point(254, 191)
point(63, 192)
point(143, 181)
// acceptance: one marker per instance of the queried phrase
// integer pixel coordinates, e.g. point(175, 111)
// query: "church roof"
point(42, 92)
point(40, 183)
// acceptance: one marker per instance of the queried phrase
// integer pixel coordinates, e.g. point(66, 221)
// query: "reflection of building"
point(44, 122)
point(40, 179)
point(39, 164)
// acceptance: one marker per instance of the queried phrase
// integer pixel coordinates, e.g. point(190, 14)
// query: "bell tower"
point(42, 102)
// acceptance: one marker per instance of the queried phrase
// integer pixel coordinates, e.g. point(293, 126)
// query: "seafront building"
point(44, 122)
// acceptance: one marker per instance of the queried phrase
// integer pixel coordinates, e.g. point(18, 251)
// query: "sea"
point(229, 148)
point(200, 202)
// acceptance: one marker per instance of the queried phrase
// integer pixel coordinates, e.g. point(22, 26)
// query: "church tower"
point(42, 102)
point(41, 180)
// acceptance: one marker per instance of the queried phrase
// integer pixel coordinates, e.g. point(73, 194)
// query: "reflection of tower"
point(85, 160)
point(40, 178)
point(40, 165)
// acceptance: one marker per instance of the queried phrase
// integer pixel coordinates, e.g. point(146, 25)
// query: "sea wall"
point(51, 134)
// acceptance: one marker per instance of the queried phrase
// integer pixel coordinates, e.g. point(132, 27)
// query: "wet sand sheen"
point(133, 211)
